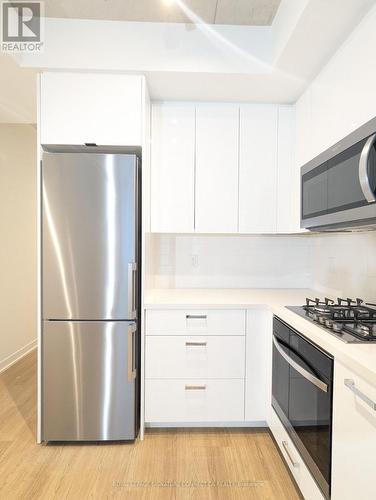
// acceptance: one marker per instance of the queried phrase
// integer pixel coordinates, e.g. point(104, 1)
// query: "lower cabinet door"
point(354, 436)
point(88, 380)
point(178, 401)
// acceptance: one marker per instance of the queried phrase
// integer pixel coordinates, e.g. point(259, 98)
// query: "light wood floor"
point(168, 464)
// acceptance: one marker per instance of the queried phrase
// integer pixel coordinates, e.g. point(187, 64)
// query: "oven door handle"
point(304, 373)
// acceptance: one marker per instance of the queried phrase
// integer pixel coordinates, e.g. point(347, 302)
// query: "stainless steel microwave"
point(338, 187)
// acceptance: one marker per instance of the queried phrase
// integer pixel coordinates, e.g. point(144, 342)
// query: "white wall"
point(340, 99)
point(208, 261)
point(18, 292)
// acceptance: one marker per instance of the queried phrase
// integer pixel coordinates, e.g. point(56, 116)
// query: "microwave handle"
point(304, 373)
point(363, 170)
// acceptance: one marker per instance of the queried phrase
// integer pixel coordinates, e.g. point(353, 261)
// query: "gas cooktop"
point(352, 321)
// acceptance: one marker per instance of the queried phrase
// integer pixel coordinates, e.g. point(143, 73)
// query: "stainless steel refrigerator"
point(90, 294)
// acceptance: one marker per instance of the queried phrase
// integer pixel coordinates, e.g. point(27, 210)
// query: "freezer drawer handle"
point(132, 268)
point(195, 387)
point(351, 385)
point(294, 463)
point(198, 344)
point(132, 353)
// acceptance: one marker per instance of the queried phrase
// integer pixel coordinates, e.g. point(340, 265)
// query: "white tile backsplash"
point(212, 261)
point(341, 264)
point(345, 264)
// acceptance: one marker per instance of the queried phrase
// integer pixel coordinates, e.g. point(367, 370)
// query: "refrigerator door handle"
point(132, 268)
point(132, 353)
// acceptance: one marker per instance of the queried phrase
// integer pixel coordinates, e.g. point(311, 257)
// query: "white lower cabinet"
point(301, 474)
point(194, 366)
point(354, 436)
point(194, 357)
point(194, 400)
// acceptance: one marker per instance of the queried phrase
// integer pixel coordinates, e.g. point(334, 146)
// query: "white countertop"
point(361, 358)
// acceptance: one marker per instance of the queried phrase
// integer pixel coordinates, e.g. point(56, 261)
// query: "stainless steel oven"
point(338, 188)
point(302, 393)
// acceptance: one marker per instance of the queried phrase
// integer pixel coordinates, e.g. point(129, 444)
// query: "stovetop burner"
point(347, 319)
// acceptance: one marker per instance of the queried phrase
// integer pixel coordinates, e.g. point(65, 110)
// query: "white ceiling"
point(188, 62)
point(239, 12)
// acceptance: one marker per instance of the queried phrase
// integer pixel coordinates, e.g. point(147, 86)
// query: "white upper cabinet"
point(217, 147)
point(258, 168)
point(288, 178)
point(173, 164)
point(79, 108)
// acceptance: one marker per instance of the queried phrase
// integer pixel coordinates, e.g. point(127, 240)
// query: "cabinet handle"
point(195, 387)
point(351, 385)
point(202, 344)
point(196, 316)
point(287, 450)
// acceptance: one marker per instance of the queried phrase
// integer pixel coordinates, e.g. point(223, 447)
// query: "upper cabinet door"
point(217, 142)
point(258, 168)
point(288, 186)
point(172, 169)
point(79, 108)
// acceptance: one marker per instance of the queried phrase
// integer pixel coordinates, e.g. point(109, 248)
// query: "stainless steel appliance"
point(302, 396)
point(90, 294)
point(338, 187)
point(351, 321)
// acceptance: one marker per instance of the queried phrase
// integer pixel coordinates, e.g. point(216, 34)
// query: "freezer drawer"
point(90, 224)
point(88, 388)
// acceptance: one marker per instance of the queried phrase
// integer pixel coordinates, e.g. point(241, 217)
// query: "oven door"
point(341, 190)
point(302, 398)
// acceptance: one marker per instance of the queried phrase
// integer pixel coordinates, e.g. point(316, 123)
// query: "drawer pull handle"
point(195, 387)
point(294, 463)
point(196, 316)
point(351, 385)
point(198, 344)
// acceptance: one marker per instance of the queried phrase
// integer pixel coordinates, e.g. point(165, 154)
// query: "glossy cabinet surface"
point(173, 165)
point(79, 108)
point(258, 168)
point(224, 168)
point(217, 150)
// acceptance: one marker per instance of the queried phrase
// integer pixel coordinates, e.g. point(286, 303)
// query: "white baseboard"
point(192, 425)
point(16, 356)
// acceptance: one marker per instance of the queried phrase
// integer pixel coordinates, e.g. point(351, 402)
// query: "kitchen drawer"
point(195, 357)
point(302, 476)
point(192, 400)
point(195, 322)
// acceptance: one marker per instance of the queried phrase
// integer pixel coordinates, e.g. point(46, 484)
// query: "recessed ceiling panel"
point(245, 12)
